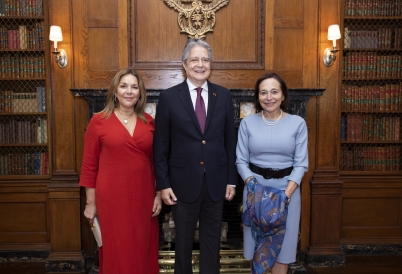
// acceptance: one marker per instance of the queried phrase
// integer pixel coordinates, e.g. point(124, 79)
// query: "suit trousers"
point(185, 216)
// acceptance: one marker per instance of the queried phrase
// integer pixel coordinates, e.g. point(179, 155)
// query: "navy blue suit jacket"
point(182, 152)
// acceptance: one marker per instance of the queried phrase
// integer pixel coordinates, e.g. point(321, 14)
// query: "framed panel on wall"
point(156, 36)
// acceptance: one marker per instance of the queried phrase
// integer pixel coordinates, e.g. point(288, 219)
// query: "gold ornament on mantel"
point(198, 19)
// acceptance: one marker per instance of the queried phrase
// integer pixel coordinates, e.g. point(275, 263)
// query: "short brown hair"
point(284, 89)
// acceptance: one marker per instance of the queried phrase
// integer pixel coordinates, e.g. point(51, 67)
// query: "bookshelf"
point(24, 149)
point(371, 88)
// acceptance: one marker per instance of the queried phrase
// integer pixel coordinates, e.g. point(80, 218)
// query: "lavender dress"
point(279, 146)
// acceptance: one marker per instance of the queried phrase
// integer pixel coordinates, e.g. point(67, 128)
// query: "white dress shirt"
point(204, 94)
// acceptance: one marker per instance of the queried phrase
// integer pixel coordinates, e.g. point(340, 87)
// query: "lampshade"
point(55, 34)
point(334, 32)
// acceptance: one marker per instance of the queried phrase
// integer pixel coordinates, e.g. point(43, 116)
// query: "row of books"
point(382, 39)
point(24, 131)
point(22, 66)
point(373, 8)
point(23, 102)
point(23, 37)
point(375, 158)
point(36, 163)
point(371, 65)
point(370, 127)
point(372, 98)
point(30, 8)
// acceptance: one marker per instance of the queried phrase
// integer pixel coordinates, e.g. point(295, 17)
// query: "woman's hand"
point(90, 208)
point(290, 188)
point(90, 212)
point(248, 179)
point(156, 209)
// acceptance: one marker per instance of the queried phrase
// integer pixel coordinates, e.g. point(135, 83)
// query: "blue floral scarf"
point(266, 214)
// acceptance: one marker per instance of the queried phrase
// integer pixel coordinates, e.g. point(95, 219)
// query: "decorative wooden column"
point(326, 186)
point(64, 193)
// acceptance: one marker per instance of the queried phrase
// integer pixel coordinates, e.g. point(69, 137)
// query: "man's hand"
point(168, 196)
point(230, 192)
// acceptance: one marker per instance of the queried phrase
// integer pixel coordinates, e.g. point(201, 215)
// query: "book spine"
point(43, 95)
point(44, 131)
point(343, 128)
point(36, 163)
point(8, 101)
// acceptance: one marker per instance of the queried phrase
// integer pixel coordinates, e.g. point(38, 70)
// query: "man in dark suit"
point(194, 155)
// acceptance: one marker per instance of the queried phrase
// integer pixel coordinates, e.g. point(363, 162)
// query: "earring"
point(114, 98)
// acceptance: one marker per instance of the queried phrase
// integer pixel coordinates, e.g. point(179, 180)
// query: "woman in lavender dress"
point(274, 139)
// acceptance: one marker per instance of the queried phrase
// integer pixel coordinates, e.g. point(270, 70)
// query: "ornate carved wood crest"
point(196, 19)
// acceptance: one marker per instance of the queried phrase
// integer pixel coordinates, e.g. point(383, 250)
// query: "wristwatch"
point(287, 200)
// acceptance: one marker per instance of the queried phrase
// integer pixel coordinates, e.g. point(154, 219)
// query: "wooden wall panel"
point(310, 42)
point(27, 217)
point(100, 44)
point(372, 212)
point(24, 214)
point(288, 43)
point(156, 33)
point(289, 8)
point(289, 36)
point(236, 36)
point(237, 40)
point(327, 236)
point(102, 9)
point(100, 59)
point(380, 212)
point(66, 231)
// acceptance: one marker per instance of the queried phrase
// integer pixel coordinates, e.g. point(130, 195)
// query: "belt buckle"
point(265, 173)
point(273, 171)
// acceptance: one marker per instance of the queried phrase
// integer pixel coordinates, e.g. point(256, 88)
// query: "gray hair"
point(196, 42)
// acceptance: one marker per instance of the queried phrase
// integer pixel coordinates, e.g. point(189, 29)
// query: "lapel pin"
point(214, 94)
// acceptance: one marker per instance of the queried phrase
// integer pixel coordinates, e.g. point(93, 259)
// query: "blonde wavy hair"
point(111, 104)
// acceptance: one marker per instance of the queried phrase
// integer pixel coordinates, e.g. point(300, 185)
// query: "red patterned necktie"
point(200, 109)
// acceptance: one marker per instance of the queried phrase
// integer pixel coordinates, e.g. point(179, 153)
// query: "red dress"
point(120, 168)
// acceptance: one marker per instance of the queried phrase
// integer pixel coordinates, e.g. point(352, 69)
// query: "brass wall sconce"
point(330, 54)
point(60, 56)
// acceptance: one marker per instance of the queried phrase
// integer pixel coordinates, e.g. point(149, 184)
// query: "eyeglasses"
point(195, 60)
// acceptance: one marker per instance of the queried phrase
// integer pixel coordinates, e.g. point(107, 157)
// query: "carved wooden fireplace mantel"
point(298, 99)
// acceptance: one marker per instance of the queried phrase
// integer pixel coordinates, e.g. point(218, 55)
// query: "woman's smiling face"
point(128, 91)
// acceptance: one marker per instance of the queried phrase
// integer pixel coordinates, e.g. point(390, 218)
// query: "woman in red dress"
point(117, 173)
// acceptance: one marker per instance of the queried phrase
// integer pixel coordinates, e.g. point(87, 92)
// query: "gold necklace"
point(125, 120)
